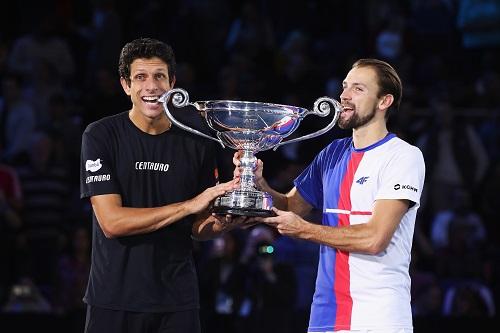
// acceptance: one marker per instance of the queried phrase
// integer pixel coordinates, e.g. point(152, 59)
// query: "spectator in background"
point(72, 273)
point(11, 201)
point(223, 287)
point(46, 189)
point(479, 22)
point(433, 27)
point(26, 297)
point(462, 258)
point(42, 45)
point(257, 235)
point(105, 99)
point(461, 211)
point(65, 126)
point(488, 201)
point(469, 300)
point(455, 156)
point(251, 31)
point(17, 121)
point(46, 185)
point(46, 82)
point(103, 48)
point(272, 287)
point(427, 300)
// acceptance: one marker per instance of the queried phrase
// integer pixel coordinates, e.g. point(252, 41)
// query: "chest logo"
point(93, 166)
point(362, 180)
point(154, 166)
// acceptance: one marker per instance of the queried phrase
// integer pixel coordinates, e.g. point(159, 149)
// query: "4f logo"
point(362, 180)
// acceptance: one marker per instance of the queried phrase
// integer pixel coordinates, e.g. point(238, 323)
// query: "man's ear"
point(125, 86)
point(172, 84)
point(385, 102)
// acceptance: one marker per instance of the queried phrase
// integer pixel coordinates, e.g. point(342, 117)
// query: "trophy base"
point(241, 211)
point(244, 203)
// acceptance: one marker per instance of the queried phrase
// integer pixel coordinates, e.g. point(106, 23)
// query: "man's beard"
point(355, 120)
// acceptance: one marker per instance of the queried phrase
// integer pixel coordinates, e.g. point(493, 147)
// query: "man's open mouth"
point(150, 99)
point(347, 109)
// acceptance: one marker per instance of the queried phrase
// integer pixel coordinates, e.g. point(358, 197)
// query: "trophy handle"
point(322, 107)
point(180, 98)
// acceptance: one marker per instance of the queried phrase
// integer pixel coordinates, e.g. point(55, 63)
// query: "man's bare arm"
point(372, 237)
point(116, 220)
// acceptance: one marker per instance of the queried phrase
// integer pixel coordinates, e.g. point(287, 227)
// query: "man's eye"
point(140, 77)
point(161, 76)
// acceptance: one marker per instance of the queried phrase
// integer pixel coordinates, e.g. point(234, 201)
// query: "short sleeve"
point(309, 183)
point(209, 173)
point(97, 172)
point(403, 177)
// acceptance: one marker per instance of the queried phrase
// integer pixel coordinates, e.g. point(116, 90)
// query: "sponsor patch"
point(98, 178)
point(93, 166)
point(405, 187)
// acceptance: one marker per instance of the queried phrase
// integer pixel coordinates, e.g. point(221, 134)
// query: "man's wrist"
point(261, 183)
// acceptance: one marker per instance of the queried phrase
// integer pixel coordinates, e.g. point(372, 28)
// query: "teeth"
point(150, 99)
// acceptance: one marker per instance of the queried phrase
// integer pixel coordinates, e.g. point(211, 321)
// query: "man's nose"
point(151, 84)
point(345, 95)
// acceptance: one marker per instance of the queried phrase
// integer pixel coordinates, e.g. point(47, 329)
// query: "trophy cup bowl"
point(249, 127)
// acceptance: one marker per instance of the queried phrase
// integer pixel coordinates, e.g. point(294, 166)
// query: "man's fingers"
point(278, 212)
point(270, 220)
point(236, 159)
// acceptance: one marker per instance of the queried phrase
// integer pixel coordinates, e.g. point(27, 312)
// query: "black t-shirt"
point(151, 272)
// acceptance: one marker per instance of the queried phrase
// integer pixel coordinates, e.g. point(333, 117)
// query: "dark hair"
point(145, 48)
point(388, 80)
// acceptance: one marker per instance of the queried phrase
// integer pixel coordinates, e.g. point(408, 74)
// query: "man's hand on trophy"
point(286, 223)
point(203, 200)
point(259, 167)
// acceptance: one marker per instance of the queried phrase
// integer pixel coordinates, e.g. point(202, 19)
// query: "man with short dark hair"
point(150, 185)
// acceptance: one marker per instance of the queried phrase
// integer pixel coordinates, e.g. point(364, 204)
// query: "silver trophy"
point(249, 127)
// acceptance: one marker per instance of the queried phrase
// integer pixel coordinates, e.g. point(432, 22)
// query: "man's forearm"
point(352, 238)
point(280, 200)
point(117, 221)
point(126, 221)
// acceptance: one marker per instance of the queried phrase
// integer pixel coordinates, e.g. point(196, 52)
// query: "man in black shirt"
point(150, 185)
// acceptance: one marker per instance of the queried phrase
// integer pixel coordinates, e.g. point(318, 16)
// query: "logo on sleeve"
point(93, 166)
point(405, 187)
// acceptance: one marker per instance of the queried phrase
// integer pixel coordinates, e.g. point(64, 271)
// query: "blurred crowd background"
point(58, 73)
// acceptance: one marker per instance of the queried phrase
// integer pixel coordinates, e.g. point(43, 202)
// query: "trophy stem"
point(247, 200)
point(248, 163)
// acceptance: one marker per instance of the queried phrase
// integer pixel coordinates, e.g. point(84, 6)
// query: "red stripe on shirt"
point(360, 213)
point(342, 284)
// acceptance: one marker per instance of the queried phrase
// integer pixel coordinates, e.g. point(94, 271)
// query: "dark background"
point(58, 68)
